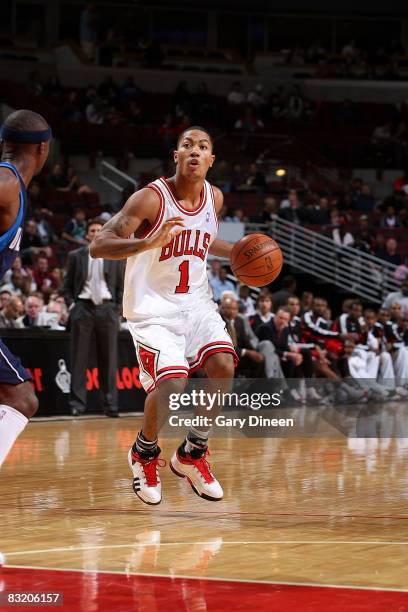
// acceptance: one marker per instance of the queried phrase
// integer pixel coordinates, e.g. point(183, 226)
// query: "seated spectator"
point(291, 209)
point(280, 298)
point(5, 297)
point(35, 197)
point(340, 235)
point(263, 313)
point(257, 357)
point(306, 301)
point(42, 276)
point(365, 201)
point(391, 255)
point(95, 111)
point(254, 180)
point(270, 210)
point(221, 284)
point(245, 302)
point(43, 218)
point(10, 313)
point(75, 230)
point(277, 331)
point(390, 219)
point(57, 178)
point(58, 315)
point(19, 284)
point(318, 214)
point(34, 317)
point(401, 273)
point(31, 242)
point(400, 296)
point(364, 240)
point(235, 96)
point(214, 271)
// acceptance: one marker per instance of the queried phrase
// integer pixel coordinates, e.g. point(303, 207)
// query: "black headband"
point(23, 136)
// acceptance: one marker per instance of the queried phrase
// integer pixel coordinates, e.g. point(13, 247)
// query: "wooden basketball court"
point(305, 524)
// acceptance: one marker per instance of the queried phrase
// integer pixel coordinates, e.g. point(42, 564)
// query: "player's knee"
point(220, 365)
point(173, 385)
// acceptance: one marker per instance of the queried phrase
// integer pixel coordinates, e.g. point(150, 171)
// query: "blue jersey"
point(10, 240)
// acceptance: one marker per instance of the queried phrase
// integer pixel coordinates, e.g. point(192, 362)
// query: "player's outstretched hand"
point(170, 229)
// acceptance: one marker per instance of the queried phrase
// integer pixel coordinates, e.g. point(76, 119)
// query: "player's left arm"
point(220, 248)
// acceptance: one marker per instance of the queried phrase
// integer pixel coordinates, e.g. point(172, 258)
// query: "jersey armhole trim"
point(213, 203)
point(159, 216)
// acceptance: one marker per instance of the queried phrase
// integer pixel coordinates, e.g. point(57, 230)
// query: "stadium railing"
point(348, 268)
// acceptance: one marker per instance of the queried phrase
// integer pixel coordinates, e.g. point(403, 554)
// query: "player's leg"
point(163, 370)
point(18, 402)
point(82, 321)
point(216, 355)
point(106, 332)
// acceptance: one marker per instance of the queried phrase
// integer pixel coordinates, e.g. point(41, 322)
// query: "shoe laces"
point(203, 467)
point(150, 469)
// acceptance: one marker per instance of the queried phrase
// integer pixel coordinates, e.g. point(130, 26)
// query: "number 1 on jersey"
point(183, 285)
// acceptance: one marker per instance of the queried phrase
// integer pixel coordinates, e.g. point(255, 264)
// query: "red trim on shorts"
point(177, 367)
point(159, 216)
point(201, 203)
point(208, 351)
point(160, 380)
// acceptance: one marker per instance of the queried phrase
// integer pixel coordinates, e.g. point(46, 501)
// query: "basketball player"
point(171, 314)
point(25, 137)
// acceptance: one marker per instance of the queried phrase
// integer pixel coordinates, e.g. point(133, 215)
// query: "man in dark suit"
point(94, 289)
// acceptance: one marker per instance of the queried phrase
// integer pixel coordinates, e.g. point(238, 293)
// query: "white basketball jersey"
point(162, 282)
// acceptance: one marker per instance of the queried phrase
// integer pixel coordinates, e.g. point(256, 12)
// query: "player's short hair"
point(26, 121)
point(284, 309)
point(195, 127)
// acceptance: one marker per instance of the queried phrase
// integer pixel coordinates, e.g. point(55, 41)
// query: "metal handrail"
point(347, 267)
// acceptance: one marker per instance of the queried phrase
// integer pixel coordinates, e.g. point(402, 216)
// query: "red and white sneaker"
point(146, 479)
point(198, 474)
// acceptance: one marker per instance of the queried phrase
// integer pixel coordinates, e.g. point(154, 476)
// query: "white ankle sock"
point(12, 424)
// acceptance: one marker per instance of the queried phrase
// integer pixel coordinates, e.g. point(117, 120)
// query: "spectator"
point(364, 238)
point(71, 109)
point(31, 242)
point(256, 356)
point(391, 255)
point(318, 214)
point(42, 275)
point(390, 220)
point(340, 235)
point(221, 284)
point(291, 210)
point(237, 216)
point(95, 111)
point(235, 96)
point(365, 201)
point(277, 331)
point(270, 210)
point(5, 297)
point(401, 273)
point(245, 302)
point(58, 315)
point(214, 271)
point(19, 284)
point(263, 313)
point(75, 230)
point(57, 178)
point(254, 180)
point(306, 301)
point(34, 317)
point(280, 298)
point(10, 313)
point(43, 217)
point(400, 296)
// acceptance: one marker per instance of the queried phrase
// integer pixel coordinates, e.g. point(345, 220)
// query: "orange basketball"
point(256, 260)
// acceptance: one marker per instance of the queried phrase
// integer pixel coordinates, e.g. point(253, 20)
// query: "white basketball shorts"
point(177, 346)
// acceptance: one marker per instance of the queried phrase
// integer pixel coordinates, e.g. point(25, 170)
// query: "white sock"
point(12, 424)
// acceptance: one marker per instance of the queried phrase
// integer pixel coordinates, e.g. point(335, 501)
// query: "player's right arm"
point(116, 238)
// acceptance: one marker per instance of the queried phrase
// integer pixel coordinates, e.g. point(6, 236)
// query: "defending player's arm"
point(220, 248)
point(116, 238)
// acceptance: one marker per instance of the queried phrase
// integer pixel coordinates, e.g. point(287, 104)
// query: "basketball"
point(256, 260)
